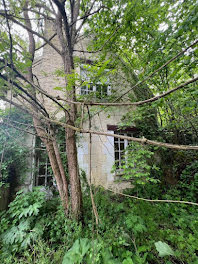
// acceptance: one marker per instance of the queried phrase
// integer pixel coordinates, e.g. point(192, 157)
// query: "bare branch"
point(24, 91)
point(46, 8)
point(150, 100)
point(14, 104)
point(75, 13)
point(45, 43)
point(153, 201)
point(26, 131)
point(9, 31)
point(21, 76)
point(52, 7)
point(62, 11)
point(138, 140)
point(157, 70)
point(86, 16)
point(32, 31)
point(95, 51)
point(39, 13)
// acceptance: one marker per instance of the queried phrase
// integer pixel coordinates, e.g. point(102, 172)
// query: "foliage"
point(89, 251)
point(140, 36)
point(12, 151)
point(163, 249)
point(31, 217)
point(19, 228)
point(189, 181)
point(138, 164)
point(129, 237)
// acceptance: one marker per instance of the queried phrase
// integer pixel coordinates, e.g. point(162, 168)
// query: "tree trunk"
point(50, 143)
point(76, 194)
point(71, 149)
point(56, 164)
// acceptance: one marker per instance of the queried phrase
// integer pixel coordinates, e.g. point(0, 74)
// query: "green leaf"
point(128, 261)
point(164, 249)
point(77, 251)
point(58, 88)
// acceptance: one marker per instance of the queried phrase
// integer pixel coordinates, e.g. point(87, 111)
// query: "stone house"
point(104, 150)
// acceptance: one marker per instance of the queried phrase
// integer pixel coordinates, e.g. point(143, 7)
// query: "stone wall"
point(102, 152)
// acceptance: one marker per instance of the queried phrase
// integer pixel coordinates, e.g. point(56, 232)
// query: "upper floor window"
point(98, 89)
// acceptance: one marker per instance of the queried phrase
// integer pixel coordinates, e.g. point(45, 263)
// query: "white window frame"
point(86, 88)
point(46, 166)
point(118, 162)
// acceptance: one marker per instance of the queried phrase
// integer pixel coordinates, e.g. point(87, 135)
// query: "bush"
point(35, 230)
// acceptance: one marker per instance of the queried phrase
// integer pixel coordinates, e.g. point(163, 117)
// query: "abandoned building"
point(105, 150)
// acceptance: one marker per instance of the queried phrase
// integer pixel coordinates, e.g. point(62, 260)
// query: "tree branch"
point(21, 76)
point(138, 140)
point(61, 9)
point(46, 8)
point(150, 100)
point(9, 32)
point(160, 68)
point(153, 201)
point(14, 104)
point(45, 43)
point(95, 51)
point(32, 31)
point(39, 13)
point(86, 16)
point(24, 91)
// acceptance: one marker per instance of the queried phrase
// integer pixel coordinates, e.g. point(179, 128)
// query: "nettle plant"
point(138, 164)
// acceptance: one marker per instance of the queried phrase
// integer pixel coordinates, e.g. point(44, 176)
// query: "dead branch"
point(138, 140)
point(150, 100)
point(153, 201)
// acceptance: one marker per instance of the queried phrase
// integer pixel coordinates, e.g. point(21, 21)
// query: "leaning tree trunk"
point(49, 142)
point(55, 162)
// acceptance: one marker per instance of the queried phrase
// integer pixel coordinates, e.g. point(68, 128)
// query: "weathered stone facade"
point(102, 147)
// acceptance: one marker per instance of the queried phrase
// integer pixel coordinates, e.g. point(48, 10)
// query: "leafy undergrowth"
point(35, 230)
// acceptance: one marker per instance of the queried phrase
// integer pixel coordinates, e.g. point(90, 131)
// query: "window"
point(87, 89)
point(99, 90)
point(120, 146)
point(44, 175)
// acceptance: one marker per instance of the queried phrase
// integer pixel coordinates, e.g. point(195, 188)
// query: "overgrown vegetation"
point(35, 230)
point(135, 40)
point(13, 150)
